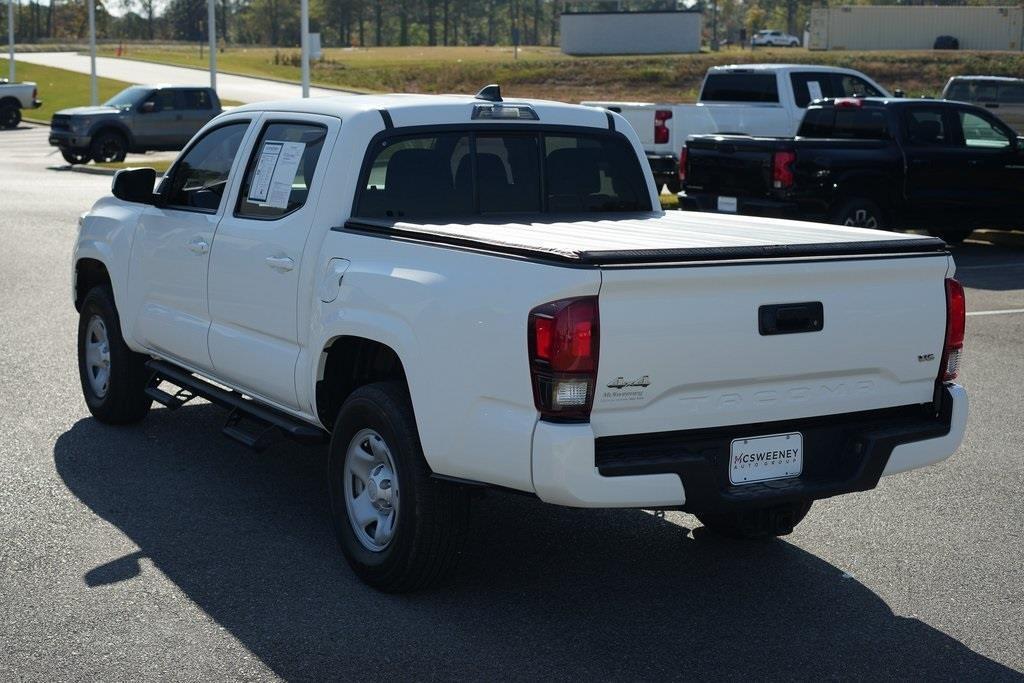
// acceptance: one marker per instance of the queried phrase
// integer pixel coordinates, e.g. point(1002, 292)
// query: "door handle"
point(199, 246)
point(280, 263)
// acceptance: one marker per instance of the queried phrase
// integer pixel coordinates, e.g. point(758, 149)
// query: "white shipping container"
point(630, 33)
point(867, 27)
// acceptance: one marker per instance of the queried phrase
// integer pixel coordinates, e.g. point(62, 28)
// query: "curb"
point(93, 170)
point(244, 75)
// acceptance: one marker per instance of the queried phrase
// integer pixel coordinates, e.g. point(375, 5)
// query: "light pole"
point(305, 48)
point(10, 38)
point(211, 30)
point(93, 93)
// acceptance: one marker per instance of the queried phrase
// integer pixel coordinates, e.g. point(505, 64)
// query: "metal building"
point(872, 27)
point(630, 33)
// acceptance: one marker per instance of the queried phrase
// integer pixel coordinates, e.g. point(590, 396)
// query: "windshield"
point(127, 97)
point(474, 173)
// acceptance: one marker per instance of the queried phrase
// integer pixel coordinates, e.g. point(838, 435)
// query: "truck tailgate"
point(738, 166)
point(682, 346)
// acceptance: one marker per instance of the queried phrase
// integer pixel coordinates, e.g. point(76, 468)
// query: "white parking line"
point(1000, 312)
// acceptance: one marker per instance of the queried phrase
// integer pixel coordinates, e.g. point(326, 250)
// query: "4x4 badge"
point(622, 382)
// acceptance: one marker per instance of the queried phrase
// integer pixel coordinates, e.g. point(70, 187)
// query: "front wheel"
point(108, 147)
point(10, 116)
point(399, 528)
point(776, 520)
point(859, 213)
point(113, 377)
point(74, 158)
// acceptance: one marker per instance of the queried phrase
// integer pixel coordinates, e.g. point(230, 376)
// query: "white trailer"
point(866, 27)
point(625, 33)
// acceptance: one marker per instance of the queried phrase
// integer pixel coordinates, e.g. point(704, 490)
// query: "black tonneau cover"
point(651, 238)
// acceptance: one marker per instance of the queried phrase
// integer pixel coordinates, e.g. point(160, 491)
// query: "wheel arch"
point(101, 127)
point(10, 99)
point(348, 362)
point(89, 272)
point(864, 185)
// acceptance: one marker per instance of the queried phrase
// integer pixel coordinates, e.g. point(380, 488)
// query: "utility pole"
point(94, 97)
point(714, 26)
point(211, 30)
point(305, 47)
point(10, 39)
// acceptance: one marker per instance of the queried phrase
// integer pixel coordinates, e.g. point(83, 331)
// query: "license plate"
point(728, 204)
point(763, 458)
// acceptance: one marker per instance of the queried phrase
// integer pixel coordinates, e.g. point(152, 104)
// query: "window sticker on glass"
point(814, 90)
point(272, 182)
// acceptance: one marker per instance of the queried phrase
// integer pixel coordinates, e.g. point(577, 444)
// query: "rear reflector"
point(782, 169)
point(956, 320)
point(563, 344)
point(661, 116)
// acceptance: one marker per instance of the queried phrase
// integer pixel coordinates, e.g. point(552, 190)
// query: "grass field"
point(60, 89)
point(547, 73)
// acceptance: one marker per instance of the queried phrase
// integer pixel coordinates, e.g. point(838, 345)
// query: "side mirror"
point(134, 185)
point(148, 107)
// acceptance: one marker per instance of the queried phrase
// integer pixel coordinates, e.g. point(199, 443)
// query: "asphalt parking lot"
point(165, 550)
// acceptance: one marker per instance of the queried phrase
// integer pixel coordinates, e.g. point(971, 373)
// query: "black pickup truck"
point(947, 167)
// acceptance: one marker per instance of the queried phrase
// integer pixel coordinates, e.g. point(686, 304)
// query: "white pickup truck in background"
point(740, 99)
point(462, 293)
point(13, 98)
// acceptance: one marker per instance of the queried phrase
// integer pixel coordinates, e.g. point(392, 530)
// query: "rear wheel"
point(113, 376)
point(74, 157)
point(107, 147)
point(10, 116)
point(776, 520)
point(399, 528)
point(859, 213)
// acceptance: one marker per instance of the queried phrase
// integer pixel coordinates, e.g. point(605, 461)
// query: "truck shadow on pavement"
point(542, 590)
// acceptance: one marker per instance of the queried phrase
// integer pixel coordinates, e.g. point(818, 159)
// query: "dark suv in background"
point(137, 119)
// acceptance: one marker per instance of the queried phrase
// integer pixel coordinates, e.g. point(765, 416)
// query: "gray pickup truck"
point(137, 119)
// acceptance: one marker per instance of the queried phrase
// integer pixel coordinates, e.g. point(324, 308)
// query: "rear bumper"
point(689, 469)
point(769, 208)
point(665, 168)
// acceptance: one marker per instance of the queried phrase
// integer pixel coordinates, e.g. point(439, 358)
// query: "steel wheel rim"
point(97, 356)
point(861, 218)
point(371, 490)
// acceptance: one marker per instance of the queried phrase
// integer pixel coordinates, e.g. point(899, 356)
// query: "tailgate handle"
point(791, 318)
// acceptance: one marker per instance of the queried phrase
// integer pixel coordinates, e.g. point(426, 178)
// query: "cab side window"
point(927, 127)
point(852, 86)
point(200, 177)
point(280, 171)
point(981, 133)
point(197, 99)
point(163, 100)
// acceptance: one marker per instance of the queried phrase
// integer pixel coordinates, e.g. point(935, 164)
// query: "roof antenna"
point(491, 93)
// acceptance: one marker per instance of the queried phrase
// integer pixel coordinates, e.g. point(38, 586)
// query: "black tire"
point(859, 213)
point(776, 520)
point(124, 399)
point(10, 116)
point(432, 515)
point(108, 146)
point(953, 235)
point(74, 157)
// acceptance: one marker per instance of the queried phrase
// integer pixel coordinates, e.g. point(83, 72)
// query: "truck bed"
point(652, 238)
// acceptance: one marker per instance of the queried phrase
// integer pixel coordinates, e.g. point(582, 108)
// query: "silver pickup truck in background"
point(13, 98)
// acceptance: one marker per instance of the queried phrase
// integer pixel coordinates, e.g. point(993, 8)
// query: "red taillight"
point(661, 117)
point(848, 103)
point(563, 340)
point(682, 164)
point(956, 320)
point(782, 169)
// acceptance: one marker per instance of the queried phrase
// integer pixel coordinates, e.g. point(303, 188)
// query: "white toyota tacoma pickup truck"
point(465, 292)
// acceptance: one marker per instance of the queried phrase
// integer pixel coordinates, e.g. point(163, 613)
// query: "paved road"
point(238, 88)
point(166, 551)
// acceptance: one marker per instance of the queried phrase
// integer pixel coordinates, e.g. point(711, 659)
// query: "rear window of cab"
point(463, 174)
